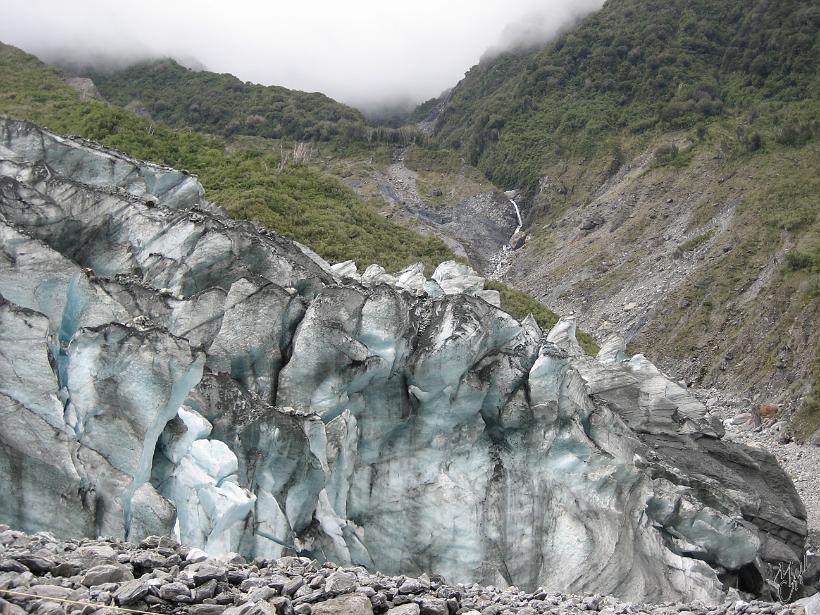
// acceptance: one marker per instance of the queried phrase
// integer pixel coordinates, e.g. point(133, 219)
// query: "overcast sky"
point(359, 51)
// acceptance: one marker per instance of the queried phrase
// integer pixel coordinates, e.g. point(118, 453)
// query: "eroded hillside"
point(670, 155)
point(699, 259)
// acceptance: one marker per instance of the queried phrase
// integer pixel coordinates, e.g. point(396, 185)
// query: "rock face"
point(475, 221)
point(639, 255)
point(85, 87)
point(166, 369)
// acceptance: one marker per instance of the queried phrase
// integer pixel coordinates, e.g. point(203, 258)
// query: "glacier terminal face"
point(167, 369)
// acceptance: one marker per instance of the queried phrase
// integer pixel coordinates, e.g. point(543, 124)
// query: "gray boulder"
point(350, 604)
point(131, 592)
point(106, 573)
point(175, 592)
point(811, 605)
point(340, 583)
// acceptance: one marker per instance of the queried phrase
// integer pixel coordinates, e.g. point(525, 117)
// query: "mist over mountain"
point(365, 53)
point(533, 29)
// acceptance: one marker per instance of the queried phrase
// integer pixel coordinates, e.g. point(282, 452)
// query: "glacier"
point(166, 369)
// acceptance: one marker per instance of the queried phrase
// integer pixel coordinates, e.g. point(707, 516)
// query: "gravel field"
point(42, 575)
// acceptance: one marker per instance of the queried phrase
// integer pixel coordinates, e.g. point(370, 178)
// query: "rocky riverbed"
point(43, 575)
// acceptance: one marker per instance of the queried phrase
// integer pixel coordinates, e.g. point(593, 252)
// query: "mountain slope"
point(633, 65)
point(294, 199)
point(255, 179)
point(222, 104)
point(435, 191)
point(669, 151)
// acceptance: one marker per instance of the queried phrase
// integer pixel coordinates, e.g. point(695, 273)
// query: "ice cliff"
point(164, 368)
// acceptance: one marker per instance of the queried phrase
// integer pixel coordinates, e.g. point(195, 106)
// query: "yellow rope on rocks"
point(80, 602)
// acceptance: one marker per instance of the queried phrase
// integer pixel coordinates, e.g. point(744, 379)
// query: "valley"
point(552, 335)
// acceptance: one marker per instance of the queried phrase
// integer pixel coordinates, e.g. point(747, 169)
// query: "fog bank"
point(363, 52)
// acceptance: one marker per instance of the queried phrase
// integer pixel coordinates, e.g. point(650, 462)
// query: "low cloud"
point(535, 28)
point(364, 52)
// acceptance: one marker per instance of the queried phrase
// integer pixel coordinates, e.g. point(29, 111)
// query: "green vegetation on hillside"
point(221, 104)
point(776, 207)
point(434, 159)
point(630, 67)
point(682, 81)
point(807, 420)
point(294, 199)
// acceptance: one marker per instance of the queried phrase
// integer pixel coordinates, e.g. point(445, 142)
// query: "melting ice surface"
point(165, 368)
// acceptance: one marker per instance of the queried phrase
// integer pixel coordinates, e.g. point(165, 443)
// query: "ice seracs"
point(449, 278)
point(165, 368)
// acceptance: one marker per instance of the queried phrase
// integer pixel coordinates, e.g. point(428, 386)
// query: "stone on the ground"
point(349, 604)
point(106, 573)
point(196, 555)
point(131, 592)
point(341, 582)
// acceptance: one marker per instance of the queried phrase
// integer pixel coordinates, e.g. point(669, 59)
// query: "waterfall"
point(502, 258)
point(517, 215)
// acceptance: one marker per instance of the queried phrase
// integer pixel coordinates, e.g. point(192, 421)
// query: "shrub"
point(668, 150)
point(796, 261)
point(794, 134)
point(755, 141)
point(752, 141)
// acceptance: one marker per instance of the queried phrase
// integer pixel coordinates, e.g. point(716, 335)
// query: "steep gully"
point(475, 223)
point(501, 259)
